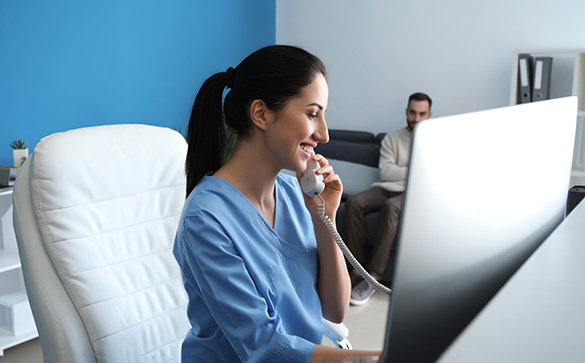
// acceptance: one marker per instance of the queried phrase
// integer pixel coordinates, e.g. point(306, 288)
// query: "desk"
point(539, 314)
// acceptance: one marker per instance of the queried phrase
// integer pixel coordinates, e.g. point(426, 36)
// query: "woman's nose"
point(321, 133)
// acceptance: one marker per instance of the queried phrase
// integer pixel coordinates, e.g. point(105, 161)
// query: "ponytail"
point(206, 134)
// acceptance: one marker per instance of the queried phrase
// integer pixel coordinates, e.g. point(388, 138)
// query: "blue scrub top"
point(252, 288)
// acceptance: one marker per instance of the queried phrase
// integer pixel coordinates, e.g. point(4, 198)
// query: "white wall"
point(378, 52)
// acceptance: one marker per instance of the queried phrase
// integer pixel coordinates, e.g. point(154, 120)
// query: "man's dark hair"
point(419, 96)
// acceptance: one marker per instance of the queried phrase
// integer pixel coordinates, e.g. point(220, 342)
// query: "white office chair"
point(95, 213)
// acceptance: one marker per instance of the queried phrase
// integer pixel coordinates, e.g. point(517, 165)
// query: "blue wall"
point(66, 64)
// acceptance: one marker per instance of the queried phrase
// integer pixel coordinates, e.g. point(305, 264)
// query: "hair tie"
point(229, 77)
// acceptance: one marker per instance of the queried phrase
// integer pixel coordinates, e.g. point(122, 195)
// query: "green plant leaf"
point(18, 144)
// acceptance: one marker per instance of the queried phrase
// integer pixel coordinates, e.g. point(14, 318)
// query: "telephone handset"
point(312, 185)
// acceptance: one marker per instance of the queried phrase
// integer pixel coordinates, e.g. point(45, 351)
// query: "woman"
point(259, 266)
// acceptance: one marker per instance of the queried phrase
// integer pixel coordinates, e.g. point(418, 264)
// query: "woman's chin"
point(297, 169)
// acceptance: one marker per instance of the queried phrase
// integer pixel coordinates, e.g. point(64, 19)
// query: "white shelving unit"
point(16, 320)
point(567, 79)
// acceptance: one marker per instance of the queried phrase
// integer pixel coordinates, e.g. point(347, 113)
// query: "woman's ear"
point(260, 114)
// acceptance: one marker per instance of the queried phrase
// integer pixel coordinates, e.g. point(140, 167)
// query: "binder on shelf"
point(576, 194)
point(524, 78)
point(541, 81)
point(7, 176)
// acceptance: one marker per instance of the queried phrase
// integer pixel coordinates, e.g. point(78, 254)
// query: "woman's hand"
point(332, 192)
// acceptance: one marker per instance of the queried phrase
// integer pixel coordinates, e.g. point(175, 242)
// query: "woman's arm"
point(333, 283)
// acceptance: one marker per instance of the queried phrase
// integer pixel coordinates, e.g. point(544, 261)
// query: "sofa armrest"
point(355, 177)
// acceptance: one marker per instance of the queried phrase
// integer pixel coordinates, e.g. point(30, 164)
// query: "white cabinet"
point(567, 79)
point(16, 320)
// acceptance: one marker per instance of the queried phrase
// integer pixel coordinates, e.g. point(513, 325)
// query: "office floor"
point(367, 326)
point(367, 323)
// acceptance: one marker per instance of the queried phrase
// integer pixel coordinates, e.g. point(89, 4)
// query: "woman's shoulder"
point(211, 194)
point(208, 185)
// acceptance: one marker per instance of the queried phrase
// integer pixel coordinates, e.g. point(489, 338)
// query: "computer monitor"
point(484, 189)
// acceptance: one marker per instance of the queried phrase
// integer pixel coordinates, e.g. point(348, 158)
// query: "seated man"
point(385, 196)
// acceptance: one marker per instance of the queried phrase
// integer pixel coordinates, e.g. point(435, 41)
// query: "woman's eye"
point(313, 115)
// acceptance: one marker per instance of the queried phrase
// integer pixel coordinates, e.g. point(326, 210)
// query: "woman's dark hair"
point(273, 74)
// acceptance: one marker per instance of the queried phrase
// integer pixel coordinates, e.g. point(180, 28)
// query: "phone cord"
point(348, 255)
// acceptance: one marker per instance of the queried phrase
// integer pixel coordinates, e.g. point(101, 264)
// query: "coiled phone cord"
point(348, 255)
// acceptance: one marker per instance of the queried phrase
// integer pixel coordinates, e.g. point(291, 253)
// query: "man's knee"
point(393, 206)
point(353, 205)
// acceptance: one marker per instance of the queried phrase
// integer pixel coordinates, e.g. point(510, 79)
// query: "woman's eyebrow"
point(316, 104)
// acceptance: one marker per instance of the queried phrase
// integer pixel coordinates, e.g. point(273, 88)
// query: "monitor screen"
point(484, 189)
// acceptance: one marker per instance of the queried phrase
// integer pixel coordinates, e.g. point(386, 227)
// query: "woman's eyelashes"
point(314, 114)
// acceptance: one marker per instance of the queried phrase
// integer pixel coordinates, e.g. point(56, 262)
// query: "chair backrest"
point(95, 213)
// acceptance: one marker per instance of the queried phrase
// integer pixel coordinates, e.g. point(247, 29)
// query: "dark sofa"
point(354, 155)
